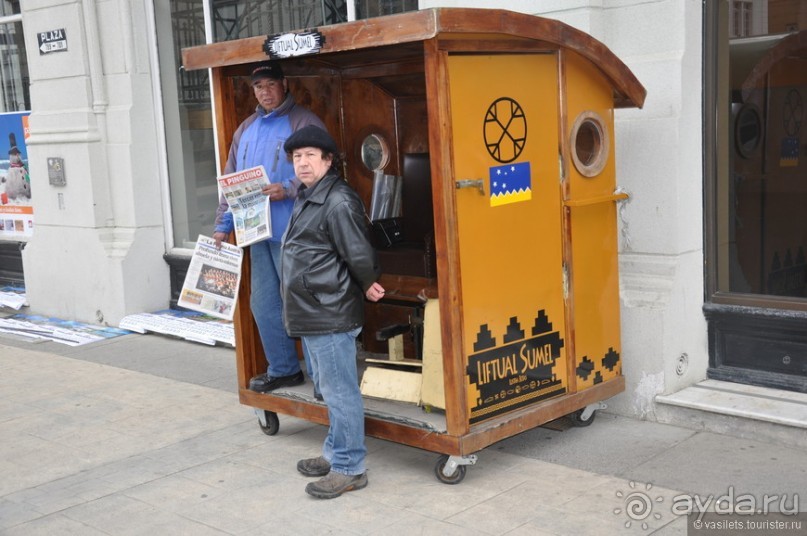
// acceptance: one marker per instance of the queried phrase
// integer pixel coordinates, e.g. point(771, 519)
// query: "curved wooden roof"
point(414, 26)
point(794, 45)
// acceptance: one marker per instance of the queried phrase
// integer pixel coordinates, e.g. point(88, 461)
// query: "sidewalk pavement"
point(144, 434)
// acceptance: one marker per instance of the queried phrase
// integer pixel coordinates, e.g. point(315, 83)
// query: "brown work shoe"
point(314, 466)
point(335, 484)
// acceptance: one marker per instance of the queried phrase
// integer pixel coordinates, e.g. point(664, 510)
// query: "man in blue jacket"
point(259, 141)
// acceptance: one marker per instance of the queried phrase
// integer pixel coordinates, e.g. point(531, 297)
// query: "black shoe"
point(318, 396)
point(263, 383)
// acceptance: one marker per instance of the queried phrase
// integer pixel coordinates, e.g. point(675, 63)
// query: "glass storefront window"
point(9, 7)
point(762, 187)
point(15, 104)
point(235, 19)
point(366, 9)
point(14, 93)
point(755, 191)
point(188, 120)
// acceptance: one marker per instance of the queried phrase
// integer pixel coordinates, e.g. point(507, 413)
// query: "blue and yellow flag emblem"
point(789, 156)
point(510, 183)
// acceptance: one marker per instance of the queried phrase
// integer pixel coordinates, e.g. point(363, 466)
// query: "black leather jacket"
point(328, 261)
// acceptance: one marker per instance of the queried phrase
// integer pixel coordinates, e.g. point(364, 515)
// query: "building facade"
point(122, 160)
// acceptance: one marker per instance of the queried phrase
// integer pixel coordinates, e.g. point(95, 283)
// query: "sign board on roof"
point(293, 44)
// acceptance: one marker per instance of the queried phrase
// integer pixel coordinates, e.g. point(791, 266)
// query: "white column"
point(96, 253)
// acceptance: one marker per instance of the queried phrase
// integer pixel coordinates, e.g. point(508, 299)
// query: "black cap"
point(267, 69)
point(311, 136)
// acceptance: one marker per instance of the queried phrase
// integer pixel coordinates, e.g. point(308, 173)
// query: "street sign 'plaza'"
point(52, 41)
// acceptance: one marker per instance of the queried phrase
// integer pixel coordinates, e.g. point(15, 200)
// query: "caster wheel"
point(272, 423)
point(577, 418)
point(456, 478)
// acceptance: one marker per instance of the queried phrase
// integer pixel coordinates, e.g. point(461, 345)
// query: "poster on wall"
point(16, 210)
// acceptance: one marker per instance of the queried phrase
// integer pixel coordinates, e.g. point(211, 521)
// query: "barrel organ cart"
point(502, 304)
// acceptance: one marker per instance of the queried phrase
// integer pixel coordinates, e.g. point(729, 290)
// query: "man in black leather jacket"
point(329, 266)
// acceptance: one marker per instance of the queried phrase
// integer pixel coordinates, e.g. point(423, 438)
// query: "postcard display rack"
point(502, 305)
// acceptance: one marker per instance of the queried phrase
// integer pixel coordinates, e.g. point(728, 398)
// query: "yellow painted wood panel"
point(504, 114)
point(593, 270)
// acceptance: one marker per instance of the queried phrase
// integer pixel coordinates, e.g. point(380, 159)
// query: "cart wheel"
point(272, 423)
point(456, 478)
point(577, 418)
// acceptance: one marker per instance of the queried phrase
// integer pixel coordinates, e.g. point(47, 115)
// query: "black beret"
point(267, 69)
point(311, 136)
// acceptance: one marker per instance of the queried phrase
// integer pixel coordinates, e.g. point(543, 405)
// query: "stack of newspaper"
point(189, 325)
point(68, 332)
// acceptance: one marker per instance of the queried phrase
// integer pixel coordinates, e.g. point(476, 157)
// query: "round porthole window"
point(374, 152)
point(590, 144)
point(747, 130)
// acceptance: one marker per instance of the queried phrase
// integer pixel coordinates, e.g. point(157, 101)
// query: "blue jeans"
point(267, 309)
point(333, 357)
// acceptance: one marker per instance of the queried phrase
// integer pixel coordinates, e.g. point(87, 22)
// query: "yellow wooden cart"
point(502, 307)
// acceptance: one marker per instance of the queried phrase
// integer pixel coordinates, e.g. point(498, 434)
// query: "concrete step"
point(740, 410)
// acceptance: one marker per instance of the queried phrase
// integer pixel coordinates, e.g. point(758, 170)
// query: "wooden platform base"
point(408, 432)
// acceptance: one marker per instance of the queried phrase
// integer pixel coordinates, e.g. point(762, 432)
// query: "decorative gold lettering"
point(496, 369)
point(532, 358)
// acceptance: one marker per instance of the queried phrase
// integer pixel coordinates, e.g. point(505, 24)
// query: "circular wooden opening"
point(747, 130)
point(590, 144)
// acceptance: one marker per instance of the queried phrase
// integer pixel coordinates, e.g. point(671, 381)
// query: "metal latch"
point(472, 183)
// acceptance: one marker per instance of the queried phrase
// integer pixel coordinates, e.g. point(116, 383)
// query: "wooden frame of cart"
point(502, 307)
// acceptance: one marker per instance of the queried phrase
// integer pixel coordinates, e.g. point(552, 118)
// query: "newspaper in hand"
point(213, 278)
point(249, 206)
